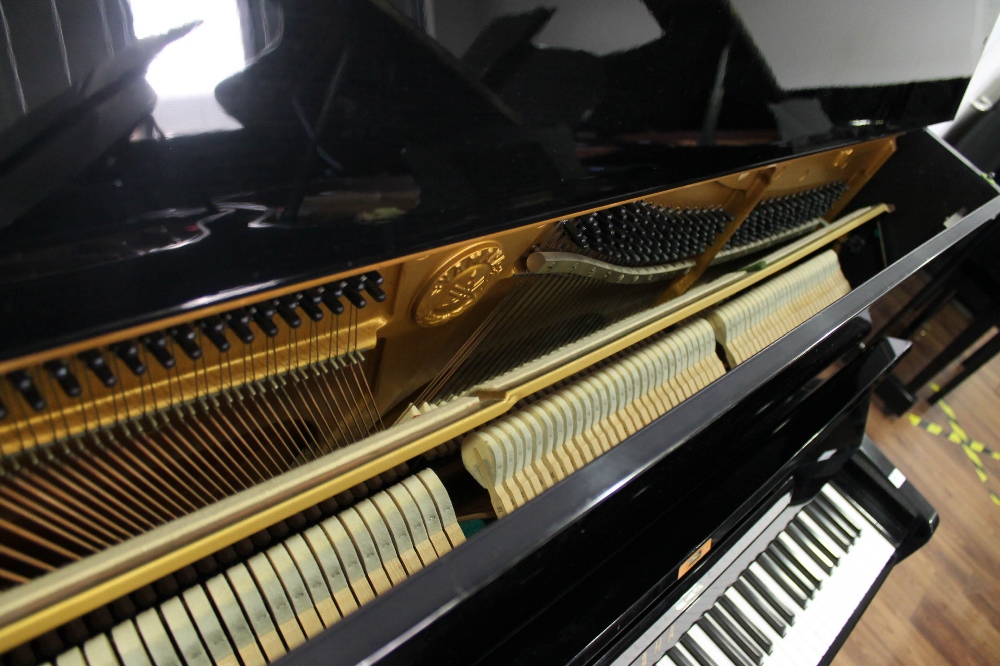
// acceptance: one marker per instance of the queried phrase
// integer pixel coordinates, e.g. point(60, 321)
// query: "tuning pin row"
point(644, 234)
point(185, 337)
point(780, 214)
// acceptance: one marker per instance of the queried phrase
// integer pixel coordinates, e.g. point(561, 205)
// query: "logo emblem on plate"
point(459, 284)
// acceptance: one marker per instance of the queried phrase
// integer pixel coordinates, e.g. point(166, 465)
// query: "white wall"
point(863, 43)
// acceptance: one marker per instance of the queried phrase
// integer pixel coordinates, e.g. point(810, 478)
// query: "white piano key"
point(780, 654)
point(787, 585)
point(803, 582)
point(747, 645)
point(779, 594)
point(849, 583)
point(703, 641)
point(845, 506)
point(723, 641)
point(818, 533)
point(794, 534)
point(685, 654)
point(803, 558)
point(830, 530)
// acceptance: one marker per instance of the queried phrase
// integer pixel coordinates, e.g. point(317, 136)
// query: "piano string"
point(126, 435)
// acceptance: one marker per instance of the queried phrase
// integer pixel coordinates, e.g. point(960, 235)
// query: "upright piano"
point(358, 331)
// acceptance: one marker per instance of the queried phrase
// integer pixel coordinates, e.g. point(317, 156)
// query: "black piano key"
point(128, 353)
point(788, 566)
point(156, 344)
point(823, 516)
point(97, 365)
point(815, 534)
point(186, 339)
point(21, 381)
point(678, 657)
point(800, 528)
point(827, 504)
point(817, 557)
point(744, 622)
point(746, 645)
point(833, 513)
point(66, 380)
point(772, 570)
point(829, 527)
point(800, 567)
point(691, 645)
point(3, 410)
point(758, 585)
point(723, 642)
point(760, 606)
point(214, 329)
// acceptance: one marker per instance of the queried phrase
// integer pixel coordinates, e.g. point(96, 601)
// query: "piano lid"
point(273, 141)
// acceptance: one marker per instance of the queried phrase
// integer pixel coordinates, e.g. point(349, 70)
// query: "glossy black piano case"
point(572, 575)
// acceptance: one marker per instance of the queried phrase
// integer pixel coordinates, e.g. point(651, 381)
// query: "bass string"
point(161, 461)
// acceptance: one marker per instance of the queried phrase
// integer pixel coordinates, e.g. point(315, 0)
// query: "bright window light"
point(186, 72)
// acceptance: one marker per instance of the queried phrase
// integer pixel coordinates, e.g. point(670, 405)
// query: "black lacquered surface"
point(504, 579)
point(353, 131)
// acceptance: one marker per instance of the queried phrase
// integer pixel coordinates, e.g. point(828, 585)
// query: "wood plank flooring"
point(942, 605)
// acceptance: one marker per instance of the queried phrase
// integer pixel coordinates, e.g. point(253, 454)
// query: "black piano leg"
point(963, 341)
point(979, 358)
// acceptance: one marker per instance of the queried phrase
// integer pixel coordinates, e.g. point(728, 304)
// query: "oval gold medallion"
point(459, 284)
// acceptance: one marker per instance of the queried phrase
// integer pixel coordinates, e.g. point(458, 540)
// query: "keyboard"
point(782, 595)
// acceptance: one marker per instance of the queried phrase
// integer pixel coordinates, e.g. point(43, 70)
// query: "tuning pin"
point(352, 289)
point(128, 352)
point(97, 365)
point(215, 330)
point(373, 283)
point(60, 372)
point(185, 337)
point(239, 321)
point(262, 314)
point(156, 343)
point(331, 298)
point(22, 382)
point(286, 310)
point(309, 302)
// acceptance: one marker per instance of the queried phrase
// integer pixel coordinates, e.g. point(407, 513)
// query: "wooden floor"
point(942, 605)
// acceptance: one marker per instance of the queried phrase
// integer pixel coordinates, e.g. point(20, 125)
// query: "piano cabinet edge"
point(423, 609)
